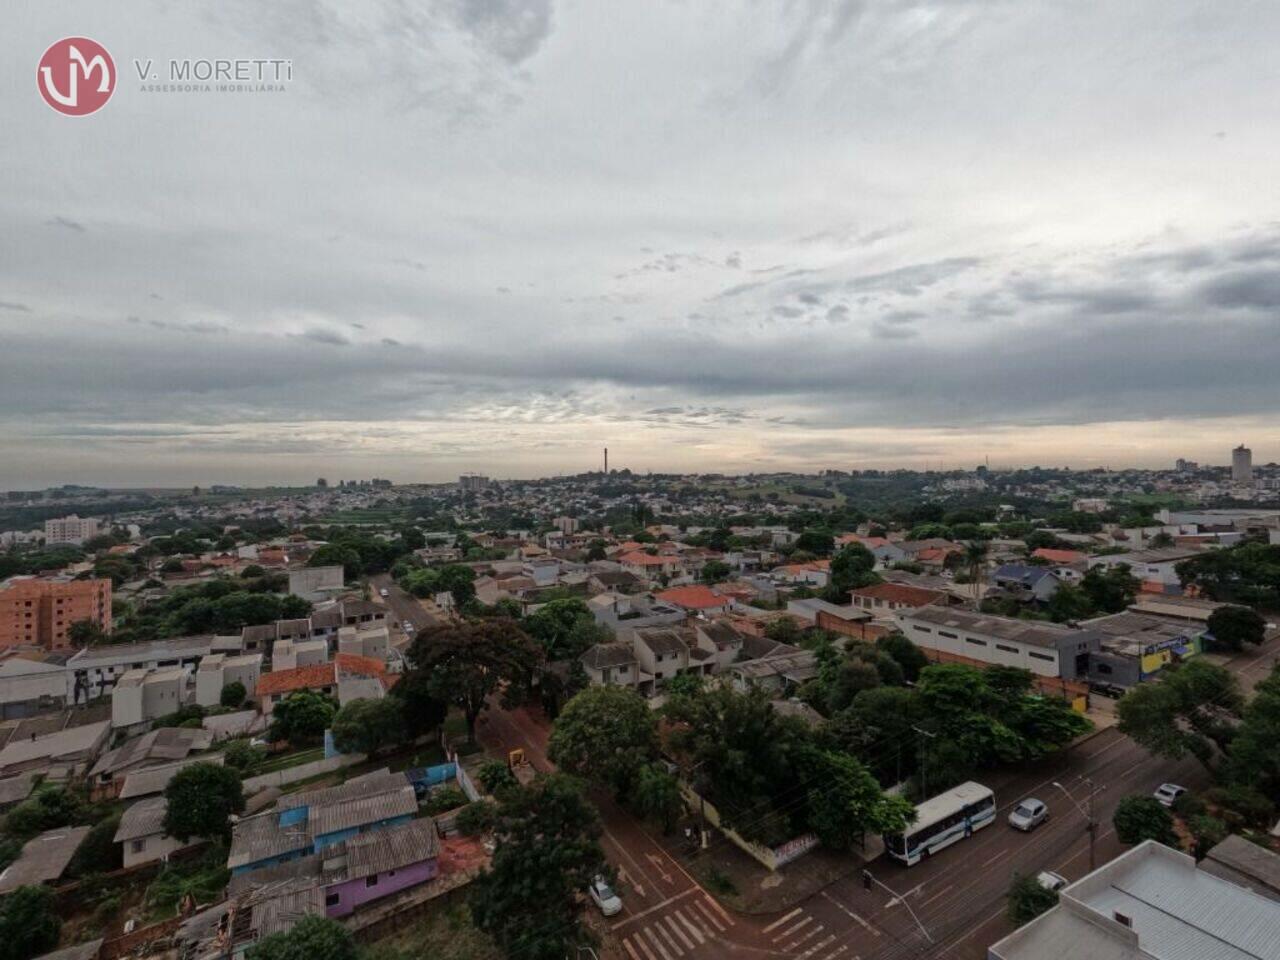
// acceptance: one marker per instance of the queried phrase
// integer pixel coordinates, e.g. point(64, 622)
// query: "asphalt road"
point(404, 607)
point(950, 907)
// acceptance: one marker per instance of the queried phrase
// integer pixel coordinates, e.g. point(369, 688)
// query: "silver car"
point(603, 896)
point(1167, 793)
point(1051, 881)
point(1028, 815)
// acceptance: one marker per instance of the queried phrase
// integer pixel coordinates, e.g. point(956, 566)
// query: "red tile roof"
point(641, 559)
point(364, 666)
point(693, 597)
point(900, 593)
point(299, 678)
point(1058, 556)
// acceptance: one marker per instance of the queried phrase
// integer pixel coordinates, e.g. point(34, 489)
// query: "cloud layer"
point(499, 235)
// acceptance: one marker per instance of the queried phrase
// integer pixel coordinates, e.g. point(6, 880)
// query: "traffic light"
point(866, 879)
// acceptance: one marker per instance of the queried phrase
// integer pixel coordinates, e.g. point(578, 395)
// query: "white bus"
point(941, 821)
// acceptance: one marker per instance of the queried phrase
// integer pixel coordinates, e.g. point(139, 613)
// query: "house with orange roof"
point(815, 573)
point(278, 684)
point(696, 598)
point(650, 566)
point(882, 599)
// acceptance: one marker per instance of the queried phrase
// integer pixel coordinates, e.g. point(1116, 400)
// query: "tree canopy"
point(367, 726)
point(29, 923)
point(302, 717)
point(1191, 709)
point(605, 734)
point(200, 799)
point(311, 938)
point(1139, 818)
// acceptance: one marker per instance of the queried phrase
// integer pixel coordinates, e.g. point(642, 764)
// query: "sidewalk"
point(744, 886)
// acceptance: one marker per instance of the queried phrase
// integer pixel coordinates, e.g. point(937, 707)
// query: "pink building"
point(379, 863)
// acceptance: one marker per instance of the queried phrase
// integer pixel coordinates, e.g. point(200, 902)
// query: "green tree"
point(302, 717)
point(311, 938)
point(817, 541)
point(367, 726)
point(338, 555)
point(565, 629)
point(852, 567)
point(29, 923)
point(85, 633)
point(1207, 833)
point(242, 756)
point(1254, 753)
point(845, 801)
point(98, 851)
point(232, 694)
point(604, 734)
point(1248, 573)
point(1139, 818)
point(200, 799)
point(1111, 590)
point(1028, 898)
point(423, 711)
point(656, 795)
point(715, 571)
point(1068, 602)
point(468, 662)
point(1231, 627)
point(48, 806)
point(495, 776)
point(908, 656)
point(1190, 710)
point(547, 852)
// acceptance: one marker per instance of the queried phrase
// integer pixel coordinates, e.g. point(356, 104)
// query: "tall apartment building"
point(1241, 464)
point(473, 481)
point(72, 529)
point(38, 611)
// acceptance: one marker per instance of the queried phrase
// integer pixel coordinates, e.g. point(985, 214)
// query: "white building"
point(218, 669)
point(141, 833)
point(72, 529)
point(144, 695)
point(93, 671)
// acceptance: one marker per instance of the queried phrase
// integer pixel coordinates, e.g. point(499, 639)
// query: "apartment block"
point(38, 611)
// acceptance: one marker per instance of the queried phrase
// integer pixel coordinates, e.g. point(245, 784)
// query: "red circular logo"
point(76, 76)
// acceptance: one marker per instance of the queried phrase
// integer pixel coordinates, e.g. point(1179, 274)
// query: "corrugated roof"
point(43, 858)
point(603, 655)
point(261, 837)
point(392, 848)
point(144, 819)
point(362, 811)
point(150, 780)
point(1032, 633)
point(366, 785)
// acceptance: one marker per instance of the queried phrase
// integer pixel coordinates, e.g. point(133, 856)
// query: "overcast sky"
point(498, 235)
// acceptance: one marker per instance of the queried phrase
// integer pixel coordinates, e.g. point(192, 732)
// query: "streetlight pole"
point(1090, 818)
point(924, 780)
point(868, 878)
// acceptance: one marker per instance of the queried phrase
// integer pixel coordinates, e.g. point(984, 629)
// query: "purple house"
point(379, 863)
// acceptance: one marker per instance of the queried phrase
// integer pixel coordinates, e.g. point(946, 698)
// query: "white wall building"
point(72, 529)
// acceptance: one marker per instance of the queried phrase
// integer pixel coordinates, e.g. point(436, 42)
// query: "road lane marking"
point(836, 952)
point(940, 893)
point(781, 920)
point(821, 945)
point(639, 940)
point(721, 910)
point(675, 928)
point(693, 928)
point(657, 906)
point(667, 937)
point(849, 913)
point(790, 930)
point(802, 938)
point(656, 942)
point(709, 915)
point(988, 863)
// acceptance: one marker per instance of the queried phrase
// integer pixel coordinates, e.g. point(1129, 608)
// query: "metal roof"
point(261, 837)
point(362, 811)
point(389, 849)
point(43, 858)
point(144, 819)
point(1032, 633)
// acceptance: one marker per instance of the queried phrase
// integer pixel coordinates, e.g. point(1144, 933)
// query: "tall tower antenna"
point(606, 461)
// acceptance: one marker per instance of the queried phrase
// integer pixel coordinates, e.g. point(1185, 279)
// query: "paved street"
point(404, 607)
point(958, 897)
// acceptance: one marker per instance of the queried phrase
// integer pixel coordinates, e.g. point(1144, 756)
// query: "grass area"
point(284, 761)
point(374, 515)
point(204, 878)
point(441, 935)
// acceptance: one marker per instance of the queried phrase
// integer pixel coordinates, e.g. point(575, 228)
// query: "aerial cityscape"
point(526, 480)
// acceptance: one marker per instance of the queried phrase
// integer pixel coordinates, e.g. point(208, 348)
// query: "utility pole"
point(868, 879)
point(1091, 820)
point(924, 781)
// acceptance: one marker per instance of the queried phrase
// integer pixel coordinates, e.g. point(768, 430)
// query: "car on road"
point(408, 627)
point(1051, 881)
point(384, 593)
point(1167, 793)
point(1028, 815)
point(603, 896)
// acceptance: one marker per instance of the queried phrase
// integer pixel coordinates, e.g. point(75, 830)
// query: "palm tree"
point(975, 555)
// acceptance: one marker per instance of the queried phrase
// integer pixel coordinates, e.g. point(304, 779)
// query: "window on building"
point(332, 899)
point(1040, 656)
point(976, 643)
point(919, 629)
point(371, 881)
point(1001, 646)
point(137, 846)
point(949, 636)
point(1104, 669)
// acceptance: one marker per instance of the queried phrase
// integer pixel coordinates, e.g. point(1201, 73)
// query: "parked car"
point(1028, 815)
point(408, 627)
point(1167, 793)
point(603, 896)
point(384, 592)
point(1051, 881)
point(1112, 690)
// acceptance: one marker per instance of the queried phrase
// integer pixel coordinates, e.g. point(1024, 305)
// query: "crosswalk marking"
point(836, 952)
point(631, 950)
point(709, 915)
point(644, 947)
point(675, 928)
point(822, 945)
point(721, 910)
point(811, 932)
point(695, 929)
point(667, 937)
point(656, 943)
point(781, 920)
point(791, 930)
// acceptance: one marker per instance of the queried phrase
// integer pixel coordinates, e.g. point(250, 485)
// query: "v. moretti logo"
point(76, 76)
